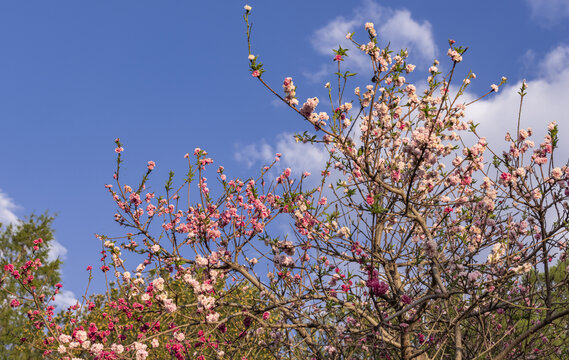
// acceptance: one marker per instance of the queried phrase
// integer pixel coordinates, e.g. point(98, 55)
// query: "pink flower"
point(180, 336)
point(556, 173)
point(377, 287)
point(551, 125)
point(118, 150)
point(309, 106)
point(338, 57)
point(506, 176)
point(370, 28)
point(151, 165)
point(256, 73)
point(266, 315)
point(14, 303)
point(454, 55)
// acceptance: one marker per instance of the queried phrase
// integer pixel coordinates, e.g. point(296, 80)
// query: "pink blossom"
point(309, 106)
point(454, 55)
point(151, 165)
point(551, 126)
point(370, 28)
point(473, 276)
point(377, 287)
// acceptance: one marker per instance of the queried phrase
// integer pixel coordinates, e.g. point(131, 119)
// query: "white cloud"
point(394, 26)
point(316, 76)
point(254, 153)
point(298, 156)
point(7, 206)
point(301, 157)
point(65, 299)
point(547, 12)
point(546, 101)
point(333, 34)
point(404, 32)
point(555, 62)
point(56, 251)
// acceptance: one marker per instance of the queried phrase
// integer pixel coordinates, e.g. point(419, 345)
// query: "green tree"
point(19, 243)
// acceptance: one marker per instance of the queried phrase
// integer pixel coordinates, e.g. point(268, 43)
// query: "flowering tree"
point(425, 250)
point(418, 241)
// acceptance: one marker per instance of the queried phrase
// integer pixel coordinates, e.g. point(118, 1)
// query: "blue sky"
point(170, 76)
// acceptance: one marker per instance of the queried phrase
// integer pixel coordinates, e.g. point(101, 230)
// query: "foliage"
point(19, 243)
